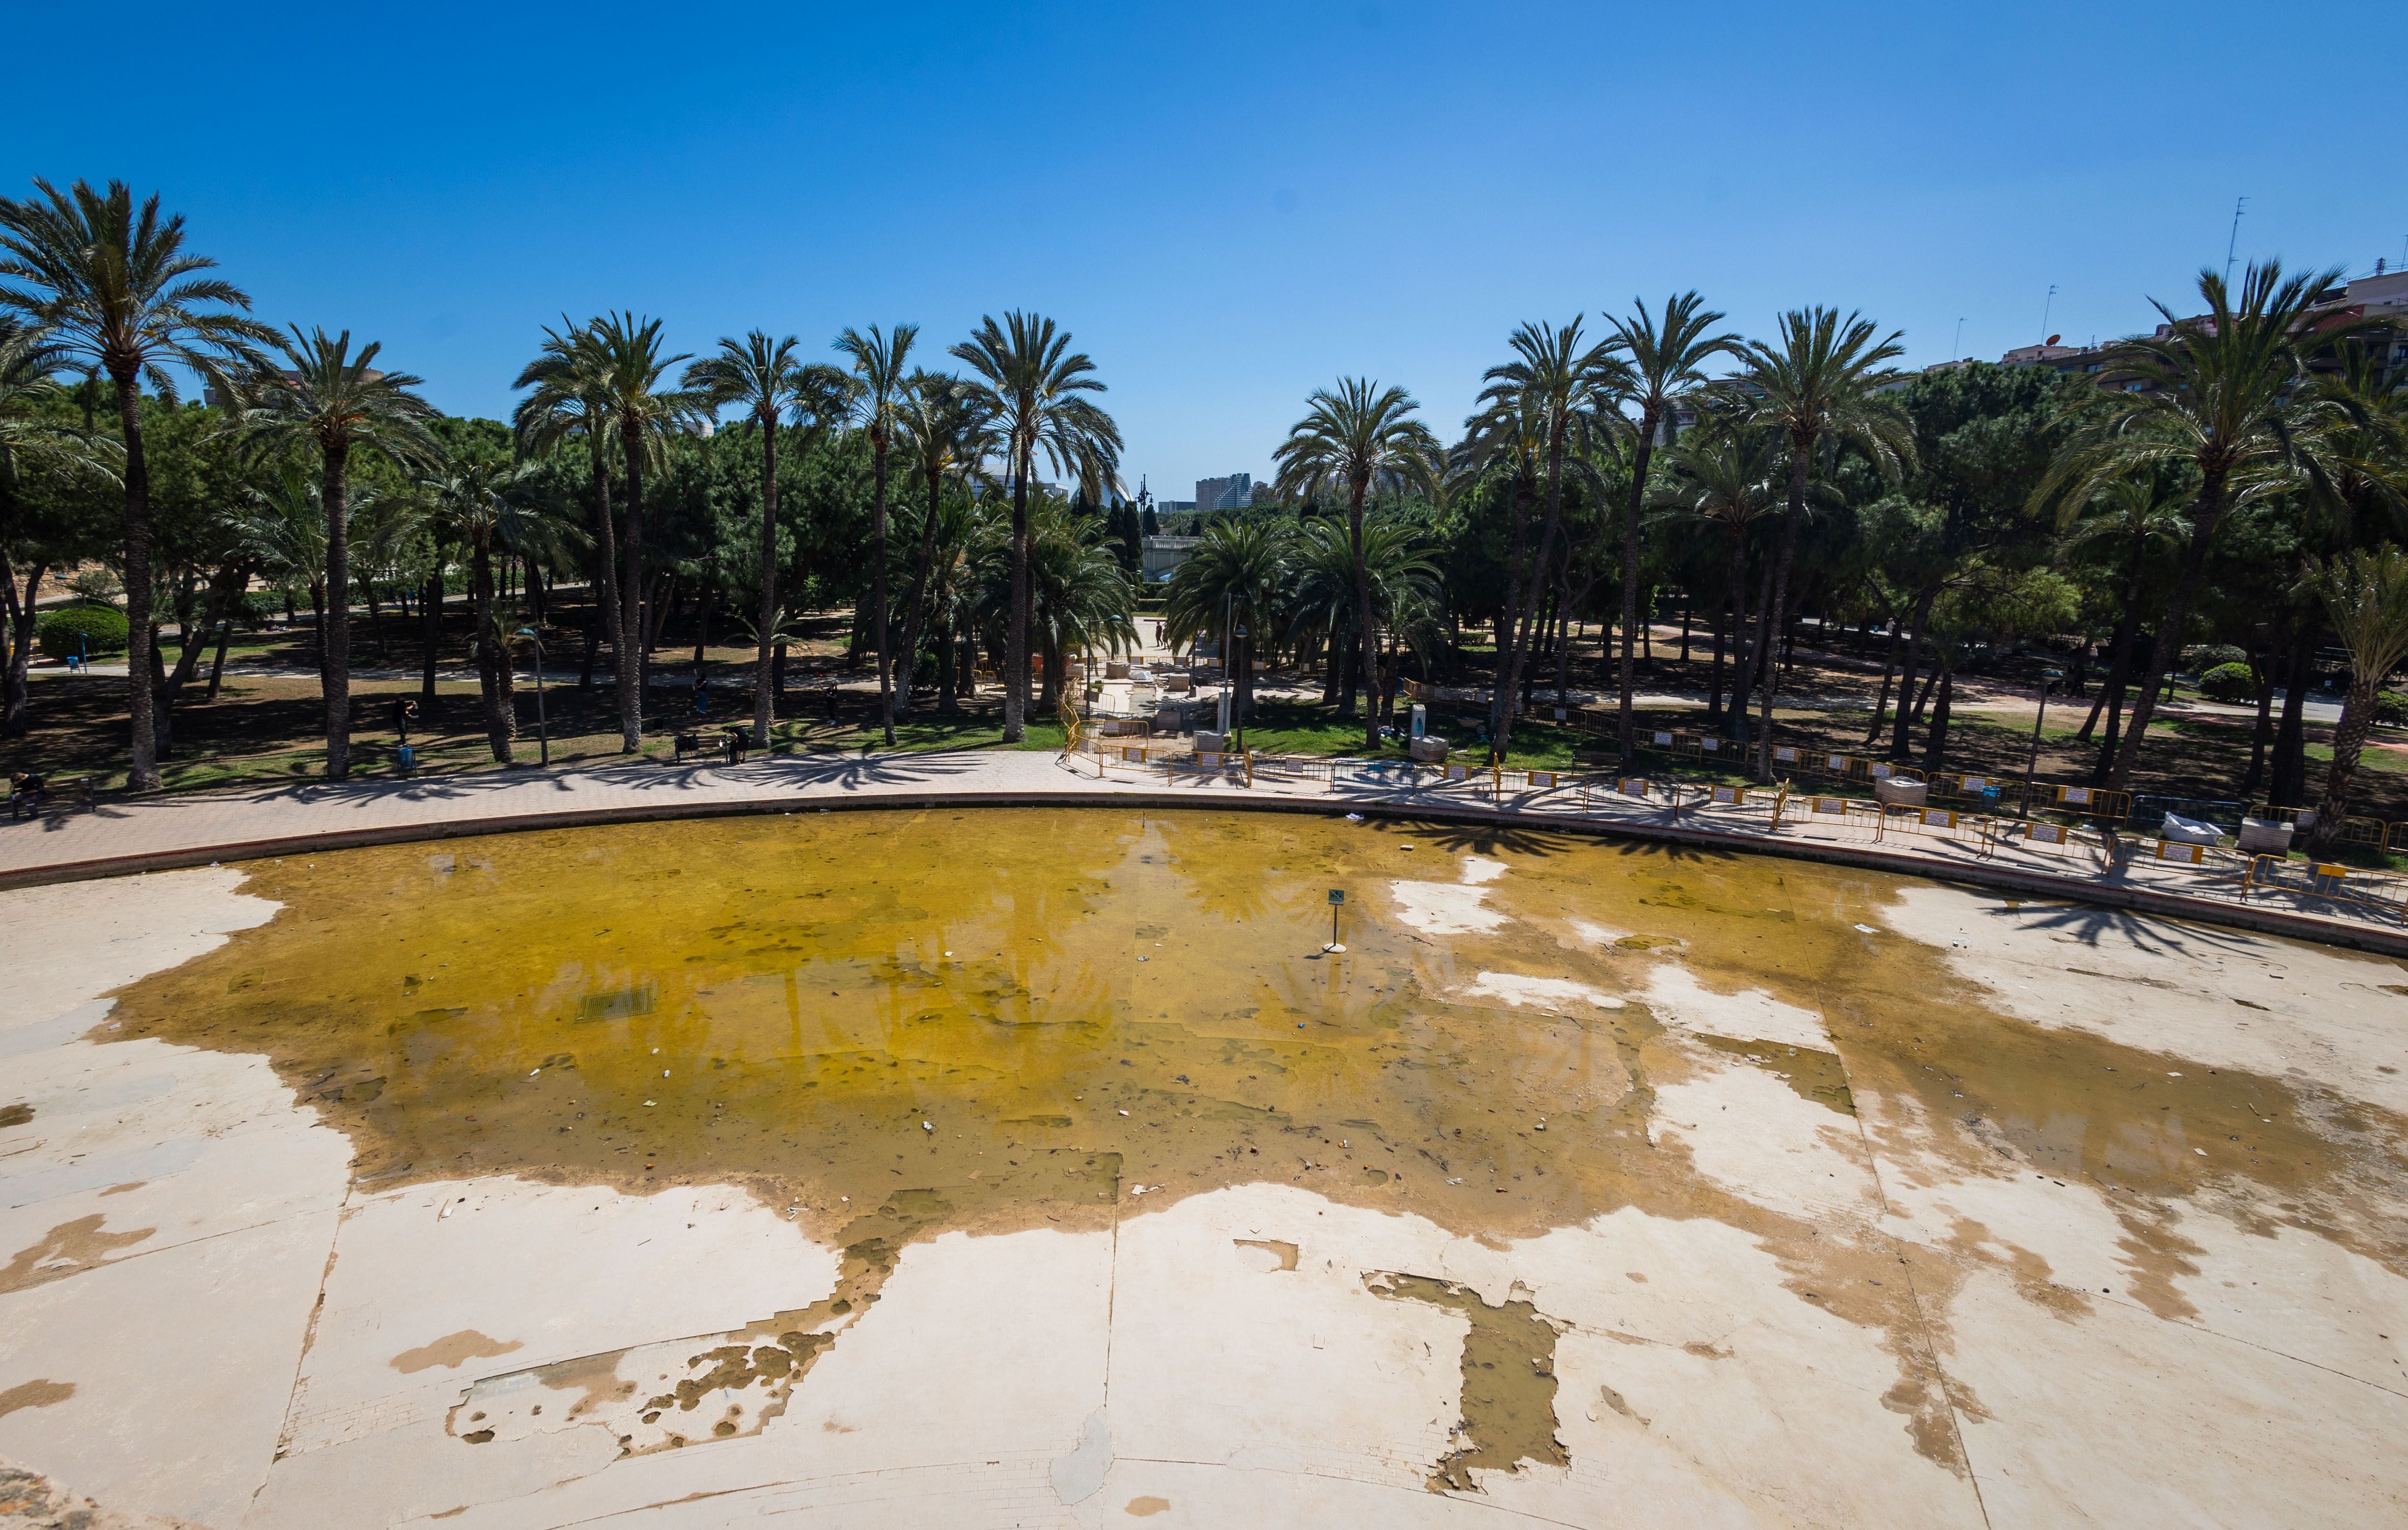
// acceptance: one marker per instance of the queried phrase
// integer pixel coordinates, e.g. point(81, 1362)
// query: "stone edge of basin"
point(2266, 921)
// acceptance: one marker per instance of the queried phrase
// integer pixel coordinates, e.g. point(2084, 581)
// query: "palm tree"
point(1820, 380)
point(330, 401)
point(877, 363)
point(1665, 364)
point(571, 401)
point(946, 431)
point(1031, 383)
point(1232, 578)
point(762, 377)
point(1725, 475)
point(1320, 603)
point(2223, 395)
point(2131, 513)
point(2366, 593)
point(473, 503)
point(34, 443)
point(1081, 598)
point(1080, 595)
point(628, 368)
point(1564, 390)
point(117, 288)
point(1350, 440)
point(1505, 444)
point(280, 530)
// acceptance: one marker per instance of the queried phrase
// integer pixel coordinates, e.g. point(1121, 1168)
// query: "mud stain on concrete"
point(39, 1393)
point(71, 1248)
point(453, 1350)
point(1508, 1402)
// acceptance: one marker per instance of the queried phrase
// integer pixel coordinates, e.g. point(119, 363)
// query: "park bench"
point(79, 790)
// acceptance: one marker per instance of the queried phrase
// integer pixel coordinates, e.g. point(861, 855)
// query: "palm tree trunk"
point(1747, 666)
point(1936, 744)
point(948, 651)
point(919, 574)
point(375, 619)
point(2348, 743)
point(1511, 686)
point(499, 724)
point(430, 618)
point(1881, 702)
point(217, 664)
point(142, 773)
point(2261, 733)
point(1917, 620)
point(13, 722)
point(628, 661)
point(1626, 728)
point(1715, 669)
point(2205, 514)
point(2119, 663)
point(1769, 621)
point(2286, 782)
point(334, 628)
point(603, 584)
point(1015, 645)
point(878, 580)
point(1366, 634)
point(765, 677)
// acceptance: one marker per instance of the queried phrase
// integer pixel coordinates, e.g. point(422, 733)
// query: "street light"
point(1237, 707)
point(2047, 678)
point(542, 729)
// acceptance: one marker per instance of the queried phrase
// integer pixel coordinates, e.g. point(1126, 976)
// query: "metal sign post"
point(1337, 902)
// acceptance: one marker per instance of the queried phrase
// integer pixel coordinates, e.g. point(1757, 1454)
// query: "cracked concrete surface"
point(214, 1322)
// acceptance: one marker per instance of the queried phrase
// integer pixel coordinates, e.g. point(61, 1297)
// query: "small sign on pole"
point(1337, 902)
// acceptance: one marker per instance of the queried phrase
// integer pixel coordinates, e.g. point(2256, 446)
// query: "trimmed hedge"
point(2229, 683)
point(102, 629)
point(2391, 709)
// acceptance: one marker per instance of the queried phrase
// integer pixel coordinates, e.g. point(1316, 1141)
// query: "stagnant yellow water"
point(893, 1024)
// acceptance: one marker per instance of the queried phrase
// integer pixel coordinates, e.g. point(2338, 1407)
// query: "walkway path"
point(124, 836)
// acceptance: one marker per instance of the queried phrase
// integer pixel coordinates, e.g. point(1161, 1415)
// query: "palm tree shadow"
point(2100, 926)
point(772, 777)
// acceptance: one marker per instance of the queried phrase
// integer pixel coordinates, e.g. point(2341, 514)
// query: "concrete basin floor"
point(1039, 1168)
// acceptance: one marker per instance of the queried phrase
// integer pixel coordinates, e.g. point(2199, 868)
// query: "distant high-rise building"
point(1235, 492)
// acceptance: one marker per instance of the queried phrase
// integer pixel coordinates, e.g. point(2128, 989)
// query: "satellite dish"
point(2054, 339)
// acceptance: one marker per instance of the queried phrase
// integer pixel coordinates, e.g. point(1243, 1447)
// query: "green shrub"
point(102, 629)
point(2391, 709)
point(2200, 657)
point(2229, 683)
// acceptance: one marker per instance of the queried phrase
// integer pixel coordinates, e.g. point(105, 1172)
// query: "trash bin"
point(404, 759)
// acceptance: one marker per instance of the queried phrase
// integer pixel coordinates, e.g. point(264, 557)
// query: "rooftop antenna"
point(1956, 346)
point(2045, 307)
point(2232, 245)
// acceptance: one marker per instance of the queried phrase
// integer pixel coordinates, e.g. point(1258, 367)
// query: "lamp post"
point(1236, 704)
point(542, 729)
point(2031, 764)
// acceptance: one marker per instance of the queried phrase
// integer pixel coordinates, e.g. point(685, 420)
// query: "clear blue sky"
point(1227, 205)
